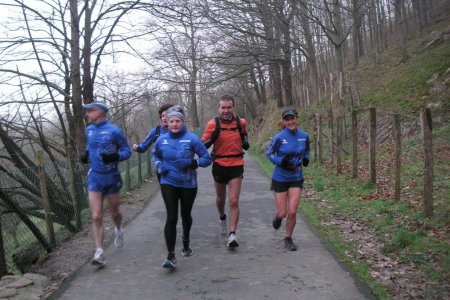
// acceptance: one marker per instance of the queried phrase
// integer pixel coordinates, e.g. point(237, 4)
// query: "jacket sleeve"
point(272, 150)
point(147, 142)
point(207, 135)
point(204, 159)
point(244, 126)
point(124, 148)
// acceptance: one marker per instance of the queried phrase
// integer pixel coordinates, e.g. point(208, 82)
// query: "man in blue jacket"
point(106, 145)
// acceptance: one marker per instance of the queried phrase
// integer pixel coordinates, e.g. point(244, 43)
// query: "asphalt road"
point(259, 269)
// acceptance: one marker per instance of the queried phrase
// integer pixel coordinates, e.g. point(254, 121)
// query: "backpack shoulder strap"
point(216, 131)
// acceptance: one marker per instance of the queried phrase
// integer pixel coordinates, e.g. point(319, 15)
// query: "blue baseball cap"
point(96, 105)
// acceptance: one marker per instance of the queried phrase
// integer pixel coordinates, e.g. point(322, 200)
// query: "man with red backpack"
point(228, 134)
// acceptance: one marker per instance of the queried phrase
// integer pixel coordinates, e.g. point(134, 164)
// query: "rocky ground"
point(76, 251)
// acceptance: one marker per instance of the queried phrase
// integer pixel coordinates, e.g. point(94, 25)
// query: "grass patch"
point(400, 87)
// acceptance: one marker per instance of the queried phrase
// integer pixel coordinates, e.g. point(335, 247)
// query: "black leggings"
point(171, 195)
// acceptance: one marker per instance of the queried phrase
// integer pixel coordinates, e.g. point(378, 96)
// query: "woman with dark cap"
point(288, 151)
point(177, 154)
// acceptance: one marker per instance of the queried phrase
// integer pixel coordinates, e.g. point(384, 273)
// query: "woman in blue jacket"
point(177, 154)
point(288, 151)
point(155, 132)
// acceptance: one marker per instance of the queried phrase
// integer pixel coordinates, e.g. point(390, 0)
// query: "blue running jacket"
point(287, 142)
point(105, 137)
point(183, 144)
point(150, 138)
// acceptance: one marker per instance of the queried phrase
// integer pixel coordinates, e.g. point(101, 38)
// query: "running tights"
point(171, 195)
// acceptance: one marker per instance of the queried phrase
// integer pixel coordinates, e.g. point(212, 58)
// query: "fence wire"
point(33, 222)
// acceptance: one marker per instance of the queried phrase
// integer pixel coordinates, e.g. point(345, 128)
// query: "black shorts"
point(224, 174)
point(281, 187)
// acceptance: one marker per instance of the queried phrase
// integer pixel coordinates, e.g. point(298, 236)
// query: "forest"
point(56, 56)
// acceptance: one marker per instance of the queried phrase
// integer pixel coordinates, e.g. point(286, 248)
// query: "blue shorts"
point(106, 184)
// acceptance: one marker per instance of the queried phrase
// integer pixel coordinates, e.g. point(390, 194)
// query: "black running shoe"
point(187, 251)
point(276, 222)
point(289, 244)
point(170, 262)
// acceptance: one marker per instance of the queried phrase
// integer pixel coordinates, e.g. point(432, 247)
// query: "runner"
point(106, 146)
point(288, 151)
point(155, 132)
point(174, 156)
point(228, 165)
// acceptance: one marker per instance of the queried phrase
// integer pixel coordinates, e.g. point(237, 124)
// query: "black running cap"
point(289, 112)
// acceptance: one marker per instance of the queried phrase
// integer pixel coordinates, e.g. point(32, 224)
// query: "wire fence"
point(366, 129)
point(44, 205)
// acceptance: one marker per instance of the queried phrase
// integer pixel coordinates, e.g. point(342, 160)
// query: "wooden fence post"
point(339, 122)
point(127, 175)
point(398, 156)
point(139, 162)
point(426, 123)
point(72, 185)
point(319, 138)
point(330, 135)
point(372, 144)
point(354, 143)
point(45, 200)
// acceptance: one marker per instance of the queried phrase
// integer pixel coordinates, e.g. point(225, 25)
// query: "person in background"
point(106, 145)
point(177, 154)
point(228, 166)
point(155, 132)
point(288, 151)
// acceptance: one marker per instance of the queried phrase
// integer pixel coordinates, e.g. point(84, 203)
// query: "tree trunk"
point(3, 264)
point(401, 33)
point(80, 140)
point(88, 85)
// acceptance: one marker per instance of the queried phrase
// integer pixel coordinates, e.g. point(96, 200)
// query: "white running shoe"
point(232, 243)
point(118, 241)
point(223, 227)
point(98, 259)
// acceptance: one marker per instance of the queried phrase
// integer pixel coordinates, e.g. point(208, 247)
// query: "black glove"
point(84, 158)
point(194, 164)
point(109, 158)
point(245, 144)
point(305, 162)
point(285, 164)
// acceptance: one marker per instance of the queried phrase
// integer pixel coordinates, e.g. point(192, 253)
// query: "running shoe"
point(118, 241)
point(186, 251)
point(170, 262)
point(232, 243)
point(276, 222)
point(98, 259)
point(223, 227)
point(289, 244)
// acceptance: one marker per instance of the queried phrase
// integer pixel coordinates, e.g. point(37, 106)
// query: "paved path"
point(259, 269)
